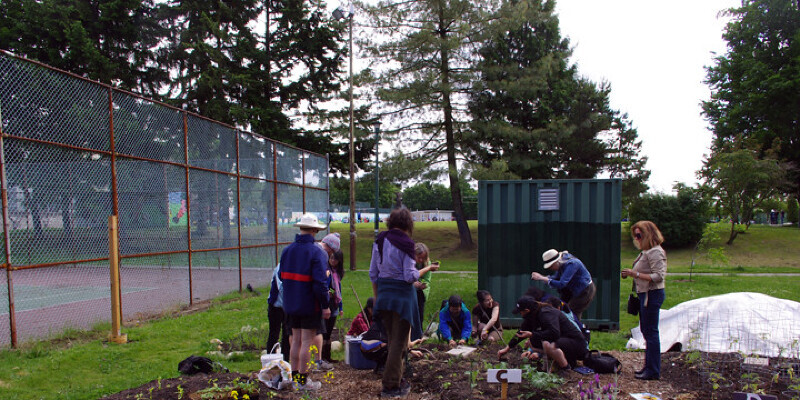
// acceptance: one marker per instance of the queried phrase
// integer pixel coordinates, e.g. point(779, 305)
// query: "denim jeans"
point(648, 322)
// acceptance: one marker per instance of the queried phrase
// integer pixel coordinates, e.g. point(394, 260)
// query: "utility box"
point(520, 220)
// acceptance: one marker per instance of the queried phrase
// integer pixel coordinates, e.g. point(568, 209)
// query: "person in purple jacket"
point(393, 272)
point(303, 271)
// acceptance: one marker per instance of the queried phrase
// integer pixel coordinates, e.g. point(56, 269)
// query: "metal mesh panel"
point(213, 205)
point(255, 157)
point(214, 273)
point(316, 171)
point(317, 203)
point(290, 208)
point(2, 234)
point(41, 104)
point(60, 197)
point(48, 300)
point(5, 329)
point(59, 201)
point(257, 265)
point(146, 129)
point(290, 164)
point(211, 145)
point(258, 258)
point(154, 284)
point(152, 213)
point(257, 201)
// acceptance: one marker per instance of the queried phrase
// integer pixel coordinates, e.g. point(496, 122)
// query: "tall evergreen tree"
point(536, 116)
point(428, 48)
point(110, 41)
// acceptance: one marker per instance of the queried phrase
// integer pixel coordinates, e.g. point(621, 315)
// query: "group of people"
point(306, 297)
point(551, 325)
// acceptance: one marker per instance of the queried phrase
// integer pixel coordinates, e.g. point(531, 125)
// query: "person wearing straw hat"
point(571, 279)
point(304, 267)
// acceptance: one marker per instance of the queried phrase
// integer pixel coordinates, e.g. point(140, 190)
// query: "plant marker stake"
point(504, 376)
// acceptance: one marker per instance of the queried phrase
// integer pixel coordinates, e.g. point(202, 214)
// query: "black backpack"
point(194, 364)
point(602, 363)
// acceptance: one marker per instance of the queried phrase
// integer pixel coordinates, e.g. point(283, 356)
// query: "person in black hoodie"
point(548, 330)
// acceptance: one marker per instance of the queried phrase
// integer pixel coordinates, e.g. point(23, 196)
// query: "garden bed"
point(685, 376)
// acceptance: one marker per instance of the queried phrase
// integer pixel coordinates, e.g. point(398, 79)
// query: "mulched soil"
point(685, 376)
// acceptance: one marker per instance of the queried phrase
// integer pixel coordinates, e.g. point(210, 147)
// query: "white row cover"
point(747, 323)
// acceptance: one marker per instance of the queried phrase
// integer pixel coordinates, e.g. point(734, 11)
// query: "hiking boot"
point(400, 391)
point(309, 386)
point(321, 365)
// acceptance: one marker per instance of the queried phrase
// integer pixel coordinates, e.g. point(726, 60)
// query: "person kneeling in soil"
point(363, 321)
point(455, 325)
point(486, 318)
point(374, 346)
point(549, 330)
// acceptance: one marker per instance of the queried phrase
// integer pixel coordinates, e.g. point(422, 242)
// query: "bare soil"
point(685, 376)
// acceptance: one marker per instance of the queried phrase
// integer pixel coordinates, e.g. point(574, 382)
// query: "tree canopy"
point(756, 84)
point(534, 115)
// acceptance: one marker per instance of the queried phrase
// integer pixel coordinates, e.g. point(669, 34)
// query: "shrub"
point(792, 214)
point(680, 218)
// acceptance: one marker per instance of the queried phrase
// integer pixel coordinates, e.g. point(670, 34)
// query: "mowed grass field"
point(775, 248)
point(83, 365)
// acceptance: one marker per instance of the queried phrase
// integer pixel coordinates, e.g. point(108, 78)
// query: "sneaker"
point(322, 365)
point(309, 386)
point(400, 391)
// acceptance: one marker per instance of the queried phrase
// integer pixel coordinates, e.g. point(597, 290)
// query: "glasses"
point(638, 236)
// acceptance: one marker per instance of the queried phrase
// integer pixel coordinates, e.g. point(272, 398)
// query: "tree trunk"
point(733, 232)
point(452, 168)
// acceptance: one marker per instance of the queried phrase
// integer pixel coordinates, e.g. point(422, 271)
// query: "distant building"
point(432, 215)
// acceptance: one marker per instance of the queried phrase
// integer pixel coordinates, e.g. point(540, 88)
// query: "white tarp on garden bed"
point(750, 323)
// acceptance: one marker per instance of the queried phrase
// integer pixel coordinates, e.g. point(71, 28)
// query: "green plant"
point(473, 378)
point(540, 380)
point(180, 392)
point(717, 381)
point(750, 383)
point(232, 390)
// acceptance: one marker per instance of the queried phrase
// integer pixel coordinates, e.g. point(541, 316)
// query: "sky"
point(654, 56)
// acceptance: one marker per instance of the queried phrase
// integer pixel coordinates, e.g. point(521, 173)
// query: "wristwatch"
point(637, 274)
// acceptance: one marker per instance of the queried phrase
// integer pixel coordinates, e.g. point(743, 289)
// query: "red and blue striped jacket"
point(303, 272)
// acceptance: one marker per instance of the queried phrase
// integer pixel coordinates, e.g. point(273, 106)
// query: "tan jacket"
point(654, 263)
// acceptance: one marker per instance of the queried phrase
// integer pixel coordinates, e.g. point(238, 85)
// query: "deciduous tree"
point(742, 182)
point(756, 84)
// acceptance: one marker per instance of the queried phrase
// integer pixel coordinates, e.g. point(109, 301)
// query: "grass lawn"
point(441, 237)
point(81, 365)
point(762, 248)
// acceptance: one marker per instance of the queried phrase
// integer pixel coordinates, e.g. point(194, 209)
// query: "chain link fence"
point(203, 208)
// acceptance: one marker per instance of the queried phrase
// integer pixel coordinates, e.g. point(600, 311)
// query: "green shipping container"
point(520, 220)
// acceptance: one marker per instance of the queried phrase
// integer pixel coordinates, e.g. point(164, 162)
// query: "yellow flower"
point(234, 394)
point(246, 397)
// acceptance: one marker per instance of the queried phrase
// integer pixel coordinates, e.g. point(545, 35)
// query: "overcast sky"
point(653, 54)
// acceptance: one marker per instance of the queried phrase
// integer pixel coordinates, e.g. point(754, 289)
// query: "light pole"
point(377, 126)
point(339, 14)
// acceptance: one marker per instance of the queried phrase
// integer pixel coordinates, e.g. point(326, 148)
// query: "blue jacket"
point(571, 275)
point(304, 267)
point(445, 318)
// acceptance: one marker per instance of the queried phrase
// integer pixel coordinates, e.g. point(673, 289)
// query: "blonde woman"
point(649, 270)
